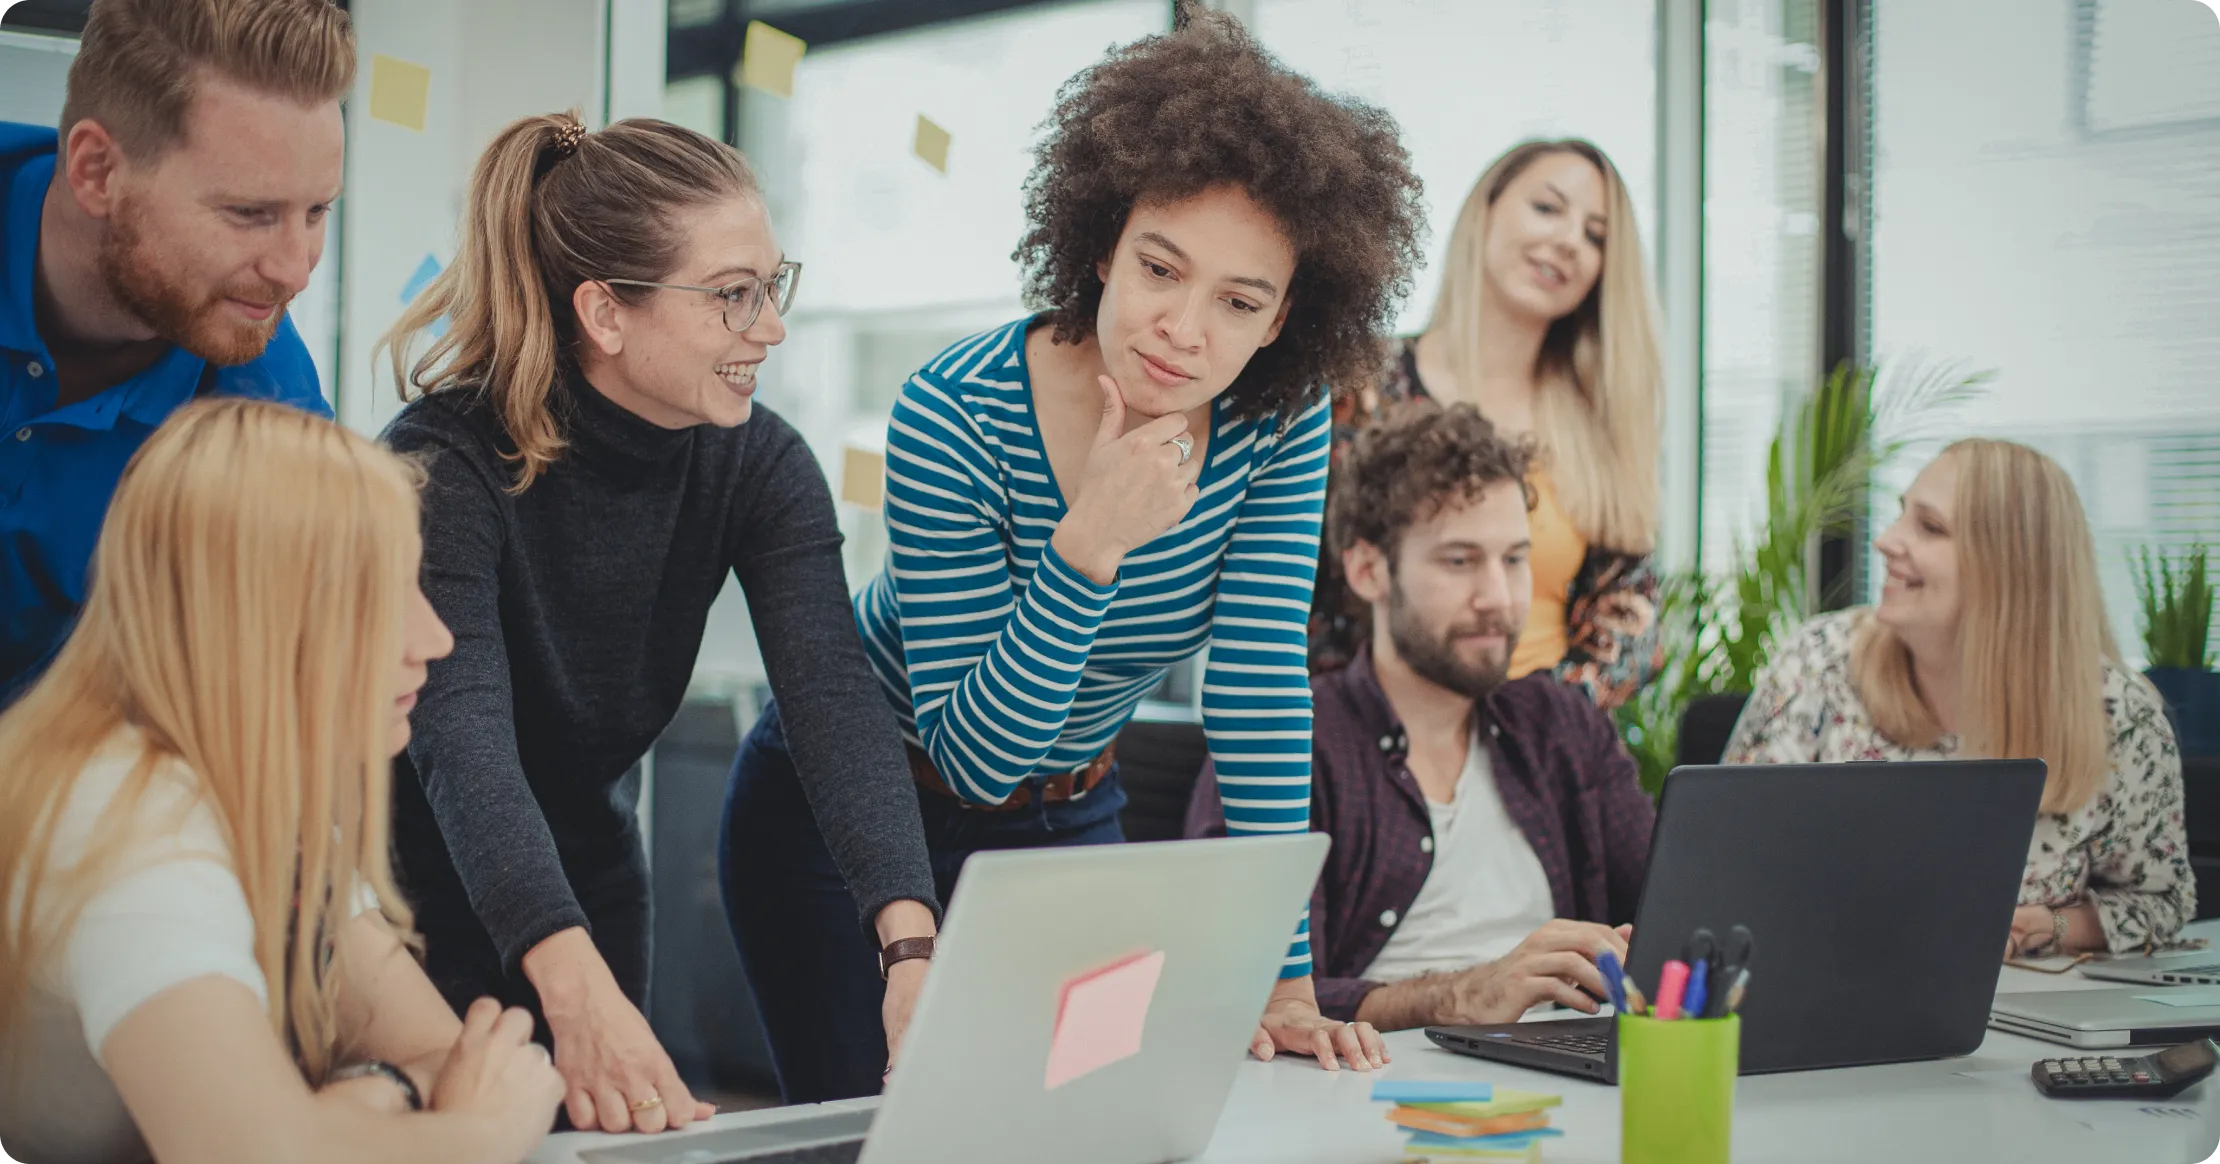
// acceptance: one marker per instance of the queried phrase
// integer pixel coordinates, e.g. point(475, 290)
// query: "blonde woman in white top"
point(1991, 640)
point(203, 956)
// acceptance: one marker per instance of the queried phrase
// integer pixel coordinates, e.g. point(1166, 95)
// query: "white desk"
point(1979, 1108)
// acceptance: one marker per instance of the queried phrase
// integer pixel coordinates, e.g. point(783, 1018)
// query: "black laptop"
point(1880, 896)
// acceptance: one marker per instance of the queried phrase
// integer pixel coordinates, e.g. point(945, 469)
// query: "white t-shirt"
point(174, 912)
point(1485, 893)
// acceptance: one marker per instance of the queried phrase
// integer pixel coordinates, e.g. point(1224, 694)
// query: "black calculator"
point(2109, 1077)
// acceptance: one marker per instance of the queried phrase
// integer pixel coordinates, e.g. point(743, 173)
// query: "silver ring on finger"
point(1186, 446)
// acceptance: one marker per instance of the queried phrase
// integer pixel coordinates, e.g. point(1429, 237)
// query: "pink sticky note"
point(1100, 1017)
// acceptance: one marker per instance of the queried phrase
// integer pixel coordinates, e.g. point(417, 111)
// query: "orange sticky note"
point(1100, 1017)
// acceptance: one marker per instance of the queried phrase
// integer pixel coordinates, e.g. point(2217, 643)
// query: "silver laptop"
point(2115, 1016)
point(2192, 968)
point(972, 1083)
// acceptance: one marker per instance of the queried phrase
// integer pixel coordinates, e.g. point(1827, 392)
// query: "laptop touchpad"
point(737, 1144)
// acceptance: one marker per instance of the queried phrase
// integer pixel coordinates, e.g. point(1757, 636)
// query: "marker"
point(1735, 992)
point(1614, 979)
point(1701, 952)
point(1699, 989)
point(1733, 960)
point(1670, 983)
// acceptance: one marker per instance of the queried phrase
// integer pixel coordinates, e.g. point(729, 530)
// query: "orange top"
point(1558, 552)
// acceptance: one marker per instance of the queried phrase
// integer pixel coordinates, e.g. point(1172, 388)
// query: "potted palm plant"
point(2177, 627)
point(1719, 629)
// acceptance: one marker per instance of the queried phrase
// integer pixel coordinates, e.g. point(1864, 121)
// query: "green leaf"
point(2176, 608)
point(1819, 472)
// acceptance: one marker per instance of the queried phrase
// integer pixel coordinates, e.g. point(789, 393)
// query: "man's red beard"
point(135, 275)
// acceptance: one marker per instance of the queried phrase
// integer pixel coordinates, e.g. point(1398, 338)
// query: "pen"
point(1635, 1003)
point(1614, 979)
point(1735, 992)
point(1670, 983)
point(1699, 990)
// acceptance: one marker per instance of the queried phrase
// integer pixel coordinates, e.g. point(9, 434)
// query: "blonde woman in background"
point(1991, 640)
point(1545, 322)
point(204, 957)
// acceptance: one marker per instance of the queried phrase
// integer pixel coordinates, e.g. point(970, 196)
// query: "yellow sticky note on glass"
point(932, 144)
point(399, 91)
point(768, 57)
point(862, 477)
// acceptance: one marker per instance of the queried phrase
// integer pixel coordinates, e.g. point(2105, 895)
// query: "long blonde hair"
point(245, 617)
point(552, 206)
point(1599, 378)
point(2033, 639)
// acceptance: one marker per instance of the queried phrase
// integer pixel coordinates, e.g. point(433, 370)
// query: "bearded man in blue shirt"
point(151, 246)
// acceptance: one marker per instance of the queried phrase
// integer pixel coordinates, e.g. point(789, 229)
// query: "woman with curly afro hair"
point(1082, 498)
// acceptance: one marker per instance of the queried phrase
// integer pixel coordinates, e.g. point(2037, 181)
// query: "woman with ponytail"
point(597, 469)
point(204, 956)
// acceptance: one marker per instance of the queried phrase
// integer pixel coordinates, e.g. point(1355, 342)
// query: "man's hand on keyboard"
point(1555, 963)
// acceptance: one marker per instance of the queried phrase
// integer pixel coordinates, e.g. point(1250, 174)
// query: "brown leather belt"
point(1062, 786)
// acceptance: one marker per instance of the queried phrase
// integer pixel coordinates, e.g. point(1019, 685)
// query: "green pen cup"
point(1676, 1089)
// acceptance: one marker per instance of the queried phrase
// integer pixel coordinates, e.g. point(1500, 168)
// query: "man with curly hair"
point(1080, 499)
point(1487, 834)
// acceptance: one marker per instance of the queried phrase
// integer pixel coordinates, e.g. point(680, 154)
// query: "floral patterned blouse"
point(1611, 637)
point(2126, 850)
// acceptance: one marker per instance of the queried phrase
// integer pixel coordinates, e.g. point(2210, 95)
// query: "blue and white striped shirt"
point(1005, 662)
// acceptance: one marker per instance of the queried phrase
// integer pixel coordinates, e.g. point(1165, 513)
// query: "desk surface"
point(1982, 1107)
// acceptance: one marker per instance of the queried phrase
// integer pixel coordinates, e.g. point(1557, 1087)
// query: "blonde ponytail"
point(552, 206)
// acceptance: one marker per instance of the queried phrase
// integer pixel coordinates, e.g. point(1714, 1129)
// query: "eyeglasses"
point(743, 297)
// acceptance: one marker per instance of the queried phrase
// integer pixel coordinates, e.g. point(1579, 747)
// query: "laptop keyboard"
point(814, 1154)
point(1571, 1044)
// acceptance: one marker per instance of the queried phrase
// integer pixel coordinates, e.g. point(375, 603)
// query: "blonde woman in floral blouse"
point(1991, 640)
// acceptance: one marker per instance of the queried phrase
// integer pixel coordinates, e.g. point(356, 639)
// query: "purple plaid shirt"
point(1558, 765)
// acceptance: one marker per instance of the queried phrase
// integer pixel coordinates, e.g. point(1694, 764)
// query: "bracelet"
point(903, 950)
point(399, 1077)
point(2057, 931)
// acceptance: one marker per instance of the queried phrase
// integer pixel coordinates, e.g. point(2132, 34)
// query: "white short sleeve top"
point(172, 911)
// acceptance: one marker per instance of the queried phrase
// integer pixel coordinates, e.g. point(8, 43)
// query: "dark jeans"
point(814, 969)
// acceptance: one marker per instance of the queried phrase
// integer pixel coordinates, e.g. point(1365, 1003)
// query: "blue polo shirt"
point(58, 466)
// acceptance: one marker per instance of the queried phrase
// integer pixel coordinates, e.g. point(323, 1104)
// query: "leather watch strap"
point(903, 950)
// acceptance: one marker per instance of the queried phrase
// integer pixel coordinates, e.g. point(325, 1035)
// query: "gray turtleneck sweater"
point(577, 609)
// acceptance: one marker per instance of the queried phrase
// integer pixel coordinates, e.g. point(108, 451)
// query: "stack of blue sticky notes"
point(1459, 1122)
point(1516, 1146)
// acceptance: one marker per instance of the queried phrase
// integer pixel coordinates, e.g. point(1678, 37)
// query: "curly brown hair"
point(1418, 458)
point(1167, 117)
